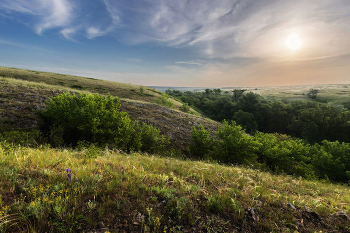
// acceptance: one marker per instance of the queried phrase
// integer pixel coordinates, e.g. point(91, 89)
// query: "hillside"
point(69, 83)
point(20, 99)
point(140, 193)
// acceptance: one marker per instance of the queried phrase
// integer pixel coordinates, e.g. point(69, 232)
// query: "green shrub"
point(71, 118)
point(24, 138)
point(91, 118)
point(165, 102)
point(331, 161)
point(202, 144)
point(216, 203)
point(150, 138)
point(142, 89)
point(234, 146)
point(185, 108)
point(280, 153)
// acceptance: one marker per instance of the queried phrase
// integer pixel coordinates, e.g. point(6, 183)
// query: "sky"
point(183, 43)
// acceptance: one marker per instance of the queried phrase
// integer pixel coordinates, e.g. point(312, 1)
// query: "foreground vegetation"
point(143, 193)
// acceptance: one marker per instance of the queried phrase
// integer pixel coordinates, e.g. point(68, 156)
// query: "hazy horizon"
point(226, 43)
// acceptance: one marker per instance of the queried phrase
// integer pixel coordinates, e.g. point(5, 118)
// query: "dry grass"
point(119, 185)
point(20, 99)
point(69, 83)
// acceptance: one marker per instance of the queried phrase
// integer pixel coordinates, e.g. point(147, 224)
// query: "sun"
point(293, 42)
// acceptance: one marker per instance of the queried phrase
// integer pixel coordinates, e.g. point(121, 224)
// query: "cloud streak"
point(48, 14)
point(70, 17)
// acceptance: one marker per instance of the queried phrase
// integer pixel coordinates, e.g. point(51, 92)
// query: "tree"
point(217, 91)
point(246, 120)
point(208, 91)
point(312, 93)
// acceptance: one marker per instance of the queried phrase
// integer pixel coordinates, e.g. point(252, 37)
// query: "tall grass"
point(111, 184)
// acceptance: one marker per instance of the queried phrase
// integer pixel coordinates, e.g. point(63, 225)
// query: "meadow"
point(150, 193)
point(334, 94)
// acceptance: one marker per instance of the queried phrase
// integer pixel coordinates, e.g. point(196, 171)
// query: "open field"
point(142, 193)
point(334, 94)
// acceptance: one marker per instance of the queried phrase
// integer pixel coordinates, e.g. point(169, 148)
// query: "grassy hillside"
point(334, 94)
point(69, 83)
point(140, 193)
point(20, 99)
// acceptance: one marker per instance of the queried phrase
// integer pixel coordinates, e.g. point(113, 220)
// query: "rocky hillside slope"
point(20, 99)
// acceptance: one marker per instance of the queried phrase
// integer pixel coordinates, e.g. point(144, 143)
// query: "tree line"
point(309, 120)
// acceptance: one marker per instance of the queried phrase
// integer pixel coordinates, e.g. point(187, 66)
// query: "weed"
point(142, 89)
point(216, 204)
point(163, 100)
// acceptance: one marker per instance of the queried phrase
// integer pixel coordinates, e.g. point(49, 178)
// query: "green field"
point(334, 94)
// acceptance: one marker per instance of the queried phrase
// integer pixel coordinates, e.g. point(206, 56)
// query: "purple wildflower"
point(69, 174)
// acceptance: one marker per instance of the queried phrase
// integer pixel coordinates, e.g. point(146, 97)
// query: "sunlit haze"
point(293, 42)
point(222, 43)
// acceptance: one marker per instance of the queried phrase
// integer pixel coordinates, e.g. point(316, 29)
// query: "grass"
point(76, 83)
point(20, 99)
point(115, 188)
point(334, 94)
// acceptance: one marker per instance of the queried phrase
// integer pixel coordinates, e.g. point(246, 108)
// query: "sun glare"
point(293, 42)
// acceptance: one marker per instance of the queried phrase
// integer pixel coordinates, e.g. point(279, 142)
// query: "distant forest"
point(309, 120)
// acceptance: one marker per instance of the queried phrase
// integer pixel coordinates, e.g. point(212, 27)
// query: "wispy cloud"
point(48, 14)
point(197, 62)
point(70, 17)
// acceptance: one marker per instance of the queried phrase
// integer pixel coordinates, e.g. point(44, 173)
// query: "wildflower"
point(69, 174)
point(76, 179)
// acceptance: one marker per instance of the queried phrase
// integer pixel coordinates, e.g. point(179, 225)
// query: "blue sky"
point(221, 43)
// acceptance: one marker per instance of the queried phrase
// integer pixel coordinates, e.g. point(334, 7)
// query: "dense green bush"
point(150, 141)
point(71, 118)
point(332, 160)
point(19, 137)
point(91, 118)
point(202, 143)
point(284, 154)
point(232, 144)
point(278, 153)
